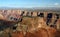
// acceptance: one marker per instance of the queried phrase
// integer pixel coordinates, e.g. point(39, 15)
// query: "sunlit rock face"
point(1, 17)
point(14, 15)
point(41, 23)
point(10, 15)
point(33, 23)
point(9, 18)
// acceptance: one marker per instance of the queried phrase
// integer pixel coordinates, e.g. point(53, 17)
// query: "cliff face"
point(10, 15)
point(49, 17)
point(34, 24)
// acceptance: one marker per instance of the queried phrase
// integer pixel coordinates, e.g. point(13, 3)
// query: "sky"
point(29, 3)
